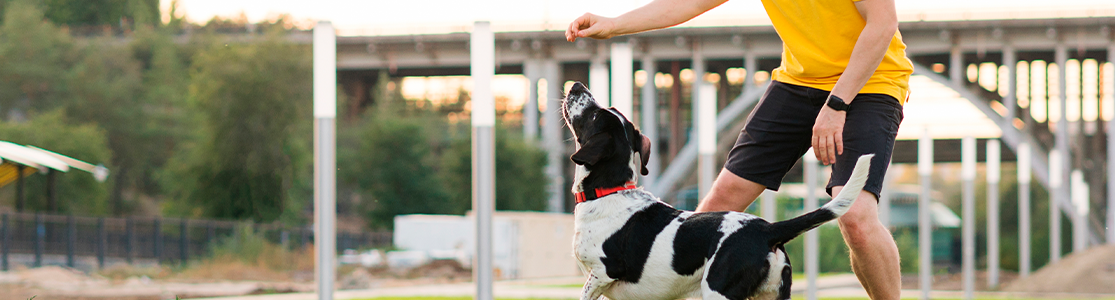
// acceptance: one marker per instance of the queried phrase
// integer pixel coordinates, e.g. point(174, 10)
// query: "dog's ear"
point(598, 146)
point(643, 147)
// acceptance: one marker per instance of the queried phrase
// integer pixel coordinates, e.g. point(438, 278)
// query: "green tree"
point(34, 57)
point(392, 169)
point(520, 180)
point(78, 192)
point(102, 12)
point(247, 159)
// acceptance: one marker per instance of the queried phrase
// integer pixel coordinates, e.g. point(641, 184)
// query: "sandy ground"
point(60, 283)
point(1090, 271)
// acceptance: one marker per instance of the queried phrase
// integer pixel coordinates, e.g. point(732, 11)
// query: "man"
point(840, 89)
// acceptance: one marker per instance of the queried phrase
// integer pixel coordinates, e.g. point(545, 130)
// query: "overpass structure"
point(1026, 97)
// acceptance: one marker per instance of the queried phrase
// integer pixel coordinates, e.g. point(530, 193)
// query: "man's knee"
point(861, 223)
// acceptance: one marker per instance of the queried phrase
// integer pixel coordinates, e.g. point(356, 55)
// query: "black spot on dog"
point(626, 251)
point(741, 262)
point(696, 241)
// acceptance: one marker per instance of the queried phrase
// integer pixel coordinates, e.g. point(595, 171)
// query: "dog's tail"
point(784, 231)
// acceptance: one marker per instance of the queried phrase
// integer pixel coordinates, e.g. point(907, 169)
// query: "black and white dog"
point(633, 246)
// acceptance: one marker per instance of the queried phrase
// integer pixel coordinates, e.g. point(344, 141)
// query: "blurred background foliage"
point(193, 122)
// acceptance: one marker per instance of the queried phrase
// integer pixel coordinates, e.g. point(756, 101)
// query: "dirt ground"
point(126, 283)
point(1091, 271)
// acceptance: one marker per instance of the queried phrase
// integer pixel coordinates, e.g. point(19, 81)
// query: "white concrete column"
point(482, 54)
point(598, 81)
point(1010, 60)
point(751, 65)
point(532, 70)
point(925, 229)
point(1111, 165)
point(1055, 182)
point(924, 223)
point(705, 104)
point(956, 66)
point(1024, 178)
point(968, 211)
point(768, 206)
point(623, 85)
point(811, 243)
point(699, 68)
point(1063, 193)
point(325, 157)
point(885, 196)
point(649, 119)
point(1080, 202)
point(994, 159)
point(552, 135)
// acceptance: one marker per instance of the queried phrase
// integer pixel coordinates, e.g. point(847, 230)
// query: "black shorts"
point(780, 130)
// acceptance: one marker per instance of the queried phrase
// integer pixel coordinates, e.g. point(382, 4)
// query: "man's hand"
point(828, 135)
point(591, 26)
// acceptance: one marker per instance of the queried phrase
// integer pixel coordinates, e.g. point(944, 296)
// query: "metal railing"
point(164, 240)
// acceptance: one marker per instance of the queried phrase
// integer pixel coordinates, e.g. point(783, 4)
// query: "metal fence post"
point(184, 241)
point(157, 237)
point(5, 242)
point(71, 239)
point(102, 238)
point(130, 239)
point(40, 239)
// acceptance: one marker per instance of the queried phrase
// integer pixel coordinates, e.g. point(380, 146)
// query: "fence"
point(165, 240)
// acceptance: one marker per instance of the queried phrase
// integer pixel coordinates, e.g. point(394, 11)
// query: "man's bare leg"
point(874, 253)
point(730, 193)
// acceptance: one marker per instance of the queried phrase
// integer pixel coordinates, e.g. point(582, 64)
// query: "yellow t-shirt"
point(817, 41)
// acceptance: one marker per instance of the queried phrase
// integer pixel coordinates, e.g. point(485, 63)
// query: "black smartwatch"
point(837, 104)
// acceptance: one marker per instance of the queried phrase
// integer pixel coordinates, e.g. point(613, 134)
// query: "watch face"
point(837, 104)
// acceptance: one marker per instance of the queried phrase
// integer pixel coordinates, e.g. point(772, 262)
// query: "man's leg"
point(730, 193)
point(874, 253)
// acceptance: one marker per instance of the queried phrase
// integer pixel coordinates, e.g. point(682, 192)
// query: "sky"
point(390, 17)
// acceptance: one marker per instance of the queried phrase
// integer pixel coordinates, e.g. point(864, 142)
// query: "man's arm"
point(882, 23)
point(655, 15)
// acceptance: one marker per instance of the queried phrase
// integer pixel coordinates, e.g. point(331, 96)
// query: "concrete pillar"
point(483, 154)
point(768, 206)
point(623, 84)
point(649, 119)
point(598, 81)
point(994, 158)
point(1061, 55)
point(811, 243)
point(925, 230)
point(751, 65)
point(1080, 201)
point(532, 70)
point(885, 196)
point(1111, 166)
point(705, 122)
point(968, 211)
point(1024, 177)
point(1011, 99)
point(552, 135)
point(1055, 182)
point(956, 66)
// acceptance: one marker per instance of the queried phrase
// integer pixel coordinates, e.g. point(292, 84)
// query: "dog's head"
point(610, 147)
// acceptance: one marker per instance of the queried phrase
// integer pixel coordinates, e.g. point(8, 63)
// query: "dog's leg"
point(594, 287)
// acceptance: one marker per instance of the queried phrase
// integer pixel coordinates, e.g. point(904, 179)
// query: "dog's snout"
point(577, 88)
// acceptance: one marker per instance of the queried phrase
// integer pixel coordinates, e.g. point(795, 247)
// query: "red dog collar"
point(601, 192)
